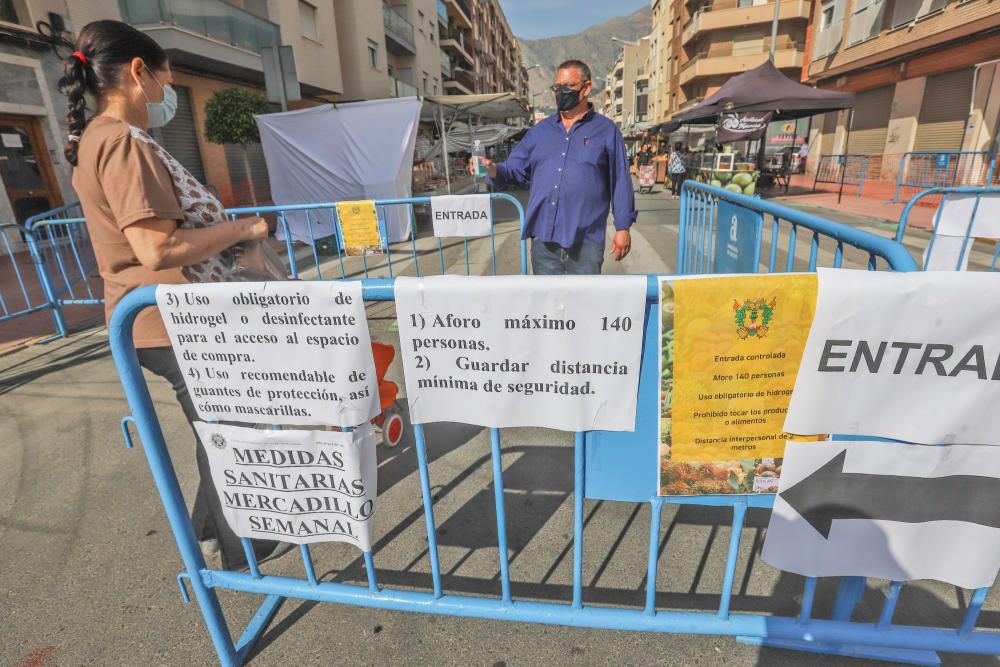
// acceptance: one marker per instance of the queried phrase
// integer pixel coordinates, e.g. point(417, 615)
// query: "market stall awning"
point(765, 89)
point(491, 106)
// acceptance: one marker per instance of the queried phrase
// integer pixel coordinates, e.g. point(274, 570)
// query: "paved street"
point(89, 564)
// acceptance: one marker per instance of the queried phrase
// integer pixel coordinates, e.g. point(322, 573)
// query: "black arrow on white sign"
point(829, 494)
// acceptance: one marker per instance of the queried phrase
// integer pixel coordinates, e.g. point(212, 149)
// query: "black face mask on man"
point(566, 97)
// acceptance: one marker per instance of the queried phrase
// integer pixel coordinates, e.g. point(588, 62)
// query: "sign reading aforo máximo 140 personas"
point(559, 352)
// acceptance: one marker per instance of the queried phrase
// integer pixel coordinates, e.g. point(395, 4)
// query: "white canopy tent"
point(358, 150)
point(445, 110)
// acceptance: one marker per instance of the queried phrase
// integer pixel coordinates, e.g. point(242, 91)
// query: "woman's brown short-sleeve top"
point(121, 181)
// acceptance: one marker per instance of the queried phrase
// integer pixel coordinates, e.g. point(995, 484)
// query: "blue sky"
point(532, 19)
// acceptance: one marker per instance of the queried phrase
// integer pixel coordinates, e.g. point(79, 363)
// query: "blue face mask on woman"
point(161, 113)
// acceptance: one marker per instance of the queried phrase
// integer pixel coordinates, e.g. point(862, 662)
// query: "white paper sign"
point(955, 214)
point(944, 253)
point(294, 486)
point(275, 353)
point(12, 140)
point(908, 356)
point(559, 352)
point(886, 510)
point(461, 215)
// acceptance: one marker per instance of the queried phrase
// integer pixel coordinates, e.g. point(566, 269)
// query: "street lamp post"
point(774, 30)
point(531, 95)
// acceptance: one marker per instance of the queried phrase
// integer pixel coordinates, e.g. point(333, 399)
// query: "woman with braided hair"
point(150, 221)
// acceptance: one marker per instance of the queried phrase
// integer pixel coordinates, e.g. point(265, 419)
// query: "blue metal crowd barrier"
point(851, 168)
point(936, 169)
point(59, 245)
point(968, 238)
point(606, 466)
point(699, 221)
point(20, 301)
point(314, 213)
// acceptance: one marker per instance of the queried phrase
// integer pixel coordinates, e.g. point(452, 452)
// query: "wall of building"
point(317, 60)
point(359, 23)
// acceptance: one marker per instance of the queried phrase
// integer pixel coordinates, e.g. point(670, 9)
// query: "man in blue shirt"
point(576, 165)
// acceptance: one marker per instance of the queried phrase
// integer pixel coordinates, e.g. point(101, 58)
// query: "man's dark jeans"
point(551, 259)
point(206, 517)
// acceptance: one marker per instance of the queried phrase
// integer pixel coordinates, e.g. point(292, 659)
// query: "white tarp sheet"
point(360, 150)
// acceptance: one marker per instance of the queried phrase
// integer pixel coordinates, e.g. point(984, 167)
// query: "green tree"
point(230, 118)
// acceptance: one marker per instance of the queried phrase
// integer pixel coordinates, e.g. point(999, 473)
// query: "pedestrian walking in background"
point(576, 165)
point(677, 168)
point(803, 154)
point(149, 220)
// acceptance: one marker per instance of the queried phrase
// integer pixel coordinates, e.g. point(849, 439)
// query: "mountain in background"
point(593, 46)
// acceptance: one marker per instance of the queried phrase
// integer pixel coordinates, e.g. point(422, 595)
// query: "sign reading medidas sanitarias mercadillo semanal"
point(730, 351)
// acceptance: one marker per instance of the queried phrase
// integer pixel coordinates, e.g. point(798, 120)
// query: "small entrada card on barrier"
point(461, 215)
point(730, 350)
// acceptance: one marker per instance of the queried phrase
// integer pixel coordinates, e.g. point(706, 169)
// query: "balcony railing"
point(398, 28)
point(212, 18)
point(464, 78)
point(445, 63)
point(399, 88)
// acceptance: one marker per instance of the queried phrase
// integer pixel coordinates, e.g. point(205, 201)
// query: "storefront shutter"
point(180, 136)
point(871, 121)
point(238, 175)
point(829, 129)
point(944, 111)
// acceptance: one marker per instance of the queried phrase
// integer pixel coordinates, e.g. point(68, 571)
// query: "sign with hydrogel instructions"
point(275, 352)
point(461, 215)
point(558, 352)
point(294, 485)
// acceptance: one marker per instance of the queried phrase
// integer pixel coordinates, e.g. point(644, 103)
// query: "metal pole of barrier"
point(425, 491)
point(292, 267)
point(41, 270)
point(808, 596)
point(655, 514)
point(578, 496)
point(312, 244)
point(889, 608)
point(847, 146)
point(162, 469)
point(739, 514)
point(495, 454)
point(413, 238)
point(493, 239)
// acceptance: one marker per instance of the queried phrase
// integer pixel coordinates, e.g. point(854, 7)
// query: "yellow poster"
point(359, 228)
point(731, 348)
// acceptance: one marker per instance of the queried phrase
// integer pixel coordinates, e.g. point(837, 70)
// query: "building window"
point(8, 12)
point(420, 22)
point(373, 54)
point(826, 15)
point(427, 87)
point(307, 17)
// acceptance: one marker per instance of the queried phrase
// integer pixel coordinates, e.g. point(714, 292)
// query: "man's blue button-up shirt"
point(575, 178)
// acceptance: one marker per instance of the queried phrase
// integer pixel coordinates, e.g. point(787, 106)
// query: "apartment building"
point(628, 85)
point(211, 44)
point(389, 49)
point(924, 72)
point(480, 53)
point(700, 44)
